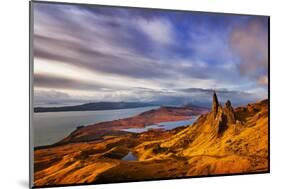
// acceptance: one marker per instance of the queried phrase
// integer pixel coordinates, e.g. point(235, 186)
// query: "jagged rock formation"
point(229, 113)
point(221, 117)
point(215, 105)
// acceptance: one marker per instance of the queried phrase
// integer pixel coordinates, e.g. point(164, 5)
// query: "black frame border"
point(31, 64)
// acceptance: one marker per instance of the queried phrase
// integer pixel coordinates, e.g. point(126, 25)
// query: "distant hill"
point(94, 106)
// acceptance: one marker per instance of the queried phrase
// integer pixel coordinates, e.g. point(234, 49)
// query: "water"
point(130, 157)
point(51, 127)
point(163, 125)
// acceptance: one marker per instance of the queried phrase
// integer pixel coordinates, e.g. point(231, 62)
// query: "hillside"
point(94, 106)
point(224, 140)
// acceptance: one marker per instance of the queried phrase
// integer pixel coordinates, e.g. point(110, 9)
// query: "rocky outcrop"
point(215, 105)
point(221, 117)
point(229, 113)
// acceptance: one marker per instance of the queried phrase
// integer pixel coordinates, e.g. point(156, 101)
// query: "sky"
point(95, 53)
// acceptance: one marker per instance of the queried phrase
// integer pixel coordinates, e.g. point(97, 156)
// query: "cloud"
point(250, 42)
point(74, 72)
point(263, 80)
point(97, 45)
point(158, 30)
point(56, 82)
point(104, 53)
point(203, 96)
point(104, 50)
point(49, 98)
point(197, 96)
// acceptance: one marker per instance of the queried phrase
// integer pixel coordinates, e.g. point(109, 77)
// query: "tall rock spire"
point(215, 104)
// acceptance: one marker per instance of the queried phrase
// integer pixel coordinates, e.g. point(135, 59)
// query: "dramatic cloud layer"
point(84, 54)
point(251, 43)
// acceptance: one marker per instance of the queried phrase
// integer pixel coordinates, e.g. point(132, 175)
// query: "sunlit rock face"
point(221, 117)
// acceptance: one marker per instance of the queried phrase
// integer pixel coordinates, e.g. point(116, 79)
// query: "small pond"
point(163, 125)
point(130, 157)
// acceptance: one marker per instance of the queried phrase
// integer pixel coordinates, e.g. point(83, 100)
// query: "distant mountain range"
point(94, 106)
